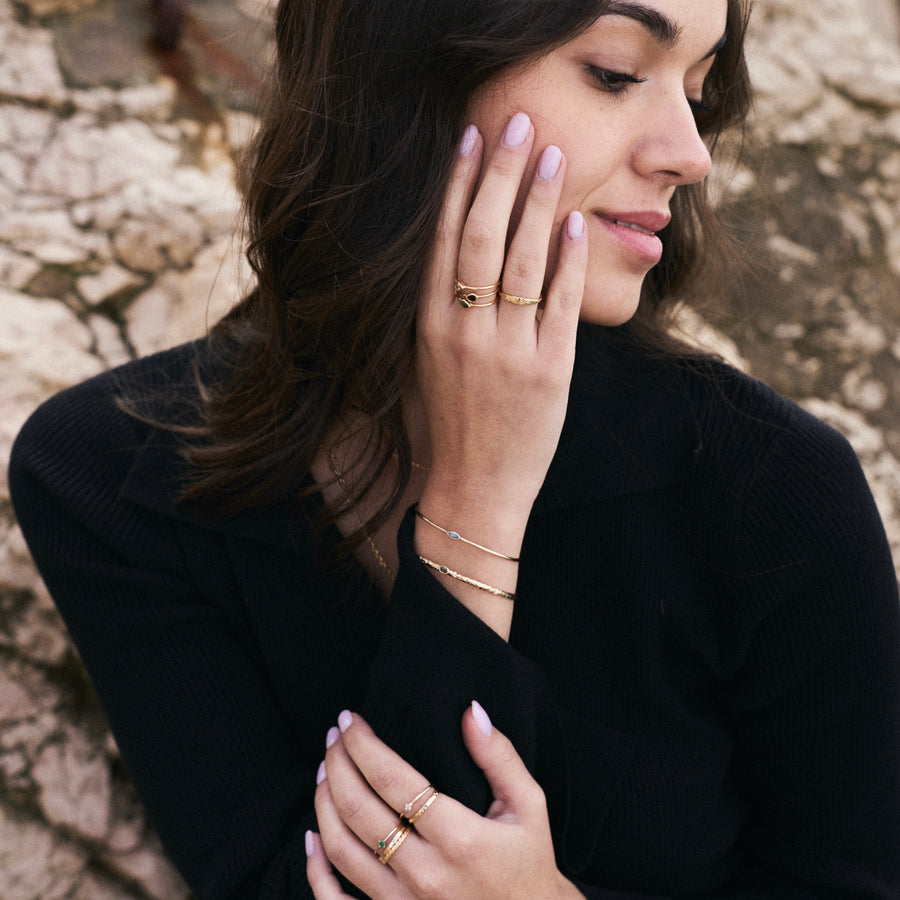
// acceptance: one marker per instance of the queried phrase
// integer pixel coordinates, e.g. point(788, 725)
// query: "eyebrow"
point(661, 27)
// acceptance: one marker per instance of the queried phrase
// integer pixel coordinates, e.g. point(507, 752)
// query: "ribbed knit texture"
point(703, 671)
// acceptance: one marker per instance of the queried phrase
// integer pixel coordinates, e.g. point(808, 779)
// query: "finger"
point(453, 216)
point(514, 789)
point(398, 783)
point(483, 244)
point(348, 854)
point(319, 873)
point(526, 260)
point(562, 304)
point(361, 809)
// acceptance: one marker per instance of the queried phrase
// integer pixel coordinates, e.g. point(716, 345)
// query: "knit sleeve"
point(214, 760)
point(814, 699)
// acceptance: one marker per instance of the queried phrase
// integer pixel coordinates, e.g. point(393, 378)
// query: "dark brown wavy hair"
point(344, 187)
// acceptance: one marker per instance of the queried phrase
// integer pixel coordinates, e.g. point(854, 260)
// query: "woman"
point(445, 452)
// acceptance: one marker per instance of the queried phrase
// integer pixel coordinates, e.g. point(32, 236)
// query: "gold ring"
point(520, 301)
point(469, 296)
point(408, 807)
point(391, 844)
point(412, 821)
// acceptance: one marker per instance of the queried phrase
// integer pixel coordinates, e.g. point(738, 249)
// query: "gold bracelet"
point(456, 536)
point(497, 592)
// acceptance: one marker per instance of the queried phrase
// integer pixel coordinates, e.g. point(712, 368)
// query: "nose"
point(672, 150)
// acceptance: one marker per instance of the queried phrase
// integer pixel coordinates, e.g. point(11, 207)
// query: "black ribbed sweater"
point(703, 670)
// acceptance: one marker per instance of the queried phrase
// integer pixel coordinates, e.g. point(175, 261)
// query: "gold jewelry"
point(456, 536)
point(519, 301)
point(391, 844)
point(468, 295)
point(412, 821)
point(444, 570)
point(372, 545)
point(407, 808)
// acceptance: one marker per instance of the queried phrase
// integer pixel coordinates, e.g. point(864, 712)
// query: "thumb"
point(511, 783)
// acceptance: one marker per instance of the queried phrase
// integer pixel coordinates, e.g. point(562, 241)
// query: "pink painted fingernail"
point(575, 225)
point(467, 144)
point(345, 720)
point(320, 775)
point(331, 737)
point(308, 840)
point(549, 164)
point(517, 130)
point(482, 719)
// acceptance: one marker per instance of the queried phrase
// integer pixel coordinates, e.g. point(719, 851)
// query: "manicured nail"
point(575, 225)
point(467, 144)
point(549, 164)
point(320, 775)
point(517, 130)
point(482, 719)
point(309, 843)
point(331, 737)
point(345, 720)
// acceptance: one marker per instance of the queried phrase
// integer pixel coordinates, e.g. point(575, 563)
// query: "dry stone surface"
point(117, 213)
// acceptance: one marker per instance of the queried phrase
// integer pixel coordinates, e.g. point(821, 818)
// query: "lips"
point(636, 231)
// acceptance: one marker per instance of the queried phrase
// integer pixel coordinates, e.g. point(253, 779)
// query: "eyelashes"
point(617, 83)
point(611, 82)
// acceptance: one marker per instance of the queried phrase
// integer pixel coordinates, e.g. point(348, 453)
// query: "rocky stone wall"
point(117, 212)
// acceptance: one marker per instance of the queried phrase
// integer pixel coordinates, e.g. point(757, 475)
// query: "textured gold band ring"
point(519, 301)
point(412, 821)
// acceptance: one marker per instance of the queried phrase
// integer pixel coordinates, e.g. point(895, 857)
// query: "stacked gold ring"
point(414, 818)
point(469, 296)
point(519, 301)
point(391, 844)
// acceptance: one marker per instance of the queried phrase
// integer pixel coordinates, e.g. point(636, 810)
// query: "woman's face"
point(619, 101)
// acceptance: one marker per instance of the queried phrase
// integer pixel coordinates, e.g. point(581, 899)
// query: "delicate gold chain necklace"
point(340, 479)
point(332, 462)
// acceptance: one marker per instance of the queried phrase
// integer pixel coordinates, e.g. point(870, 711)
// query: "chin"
point(614, 305)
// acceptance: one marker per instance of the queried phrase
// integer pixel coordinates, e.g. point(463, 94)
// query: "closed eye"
point(612, 82)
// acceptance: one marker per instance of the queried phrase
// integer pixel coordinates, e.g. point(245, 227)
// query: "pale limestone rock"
point(108, 343)
point(28, 66)
point(43, 348)
point(74, 785)
point(17, 572)
point(148, 867)
point(183, 306)
point(36, 631)
point(41, 8)
point(15, 702)
point(94, 886)
point(240, 127)
point(16, 269)
point(35, 862)
point(86, 159)
point(30, 733)
point(150, 102)
point(14, 771)
point(50, 236)
point(111, 281)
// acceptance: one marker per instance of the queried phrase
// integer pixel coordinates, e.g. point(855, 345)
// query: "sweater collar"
point(629, 428)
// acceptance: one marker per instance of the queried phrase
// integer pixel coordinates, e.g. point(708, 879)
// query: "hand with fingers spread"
point(395, 837)
point(494, 356)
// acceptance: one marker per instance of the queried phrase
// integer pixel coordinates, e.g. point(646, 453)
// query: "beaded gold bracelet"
point(444, 570)
point(456, 536)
